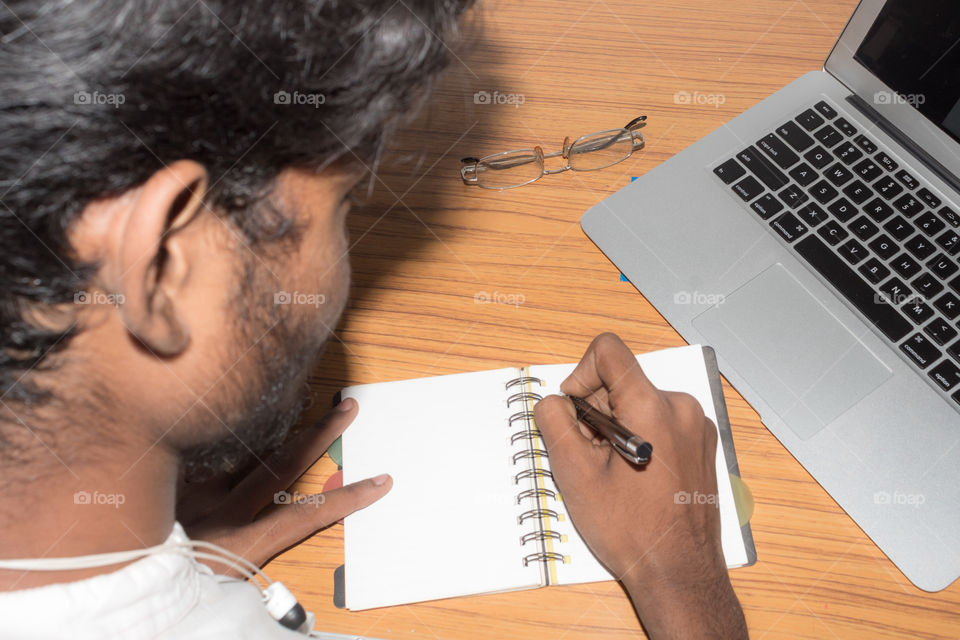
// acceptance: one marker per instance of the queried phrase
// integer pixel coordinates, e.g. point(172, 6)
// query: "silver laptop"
point(814, 242)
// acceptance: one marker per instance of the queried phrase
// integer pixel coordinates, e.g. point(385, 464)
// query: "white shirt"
point(161, 597)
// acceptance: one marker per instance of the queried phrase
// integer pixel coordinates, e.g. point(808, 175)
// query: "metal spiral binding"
point(540, 535)
point(523, 380)
point(529, 434)
point(520, 415)
point(532, 452)
point(542, 557)
point(536, 493)
point(539, 514)
point(523, 396)
point(528, 453)
point(532, 473)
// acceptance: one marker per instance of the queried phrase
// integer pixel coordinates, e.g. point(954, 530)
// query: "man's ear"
point(153, 261)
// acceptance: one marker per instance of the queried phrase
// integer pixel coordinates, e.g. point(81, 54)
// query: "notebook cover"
point(726, 437)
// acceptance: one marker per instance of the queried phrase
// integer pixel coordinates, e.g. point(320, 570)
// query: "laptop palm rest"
point(798, 357)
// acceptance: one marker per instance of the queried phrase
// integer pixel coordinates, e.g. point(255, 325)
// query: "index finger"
point(608, 364)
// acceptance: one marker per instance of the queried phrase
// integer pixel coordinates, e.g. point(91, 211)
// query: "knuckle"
point(607, 341)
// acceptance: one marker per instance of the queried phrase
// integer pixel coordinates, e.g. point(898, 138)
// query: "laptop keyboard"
point(885, 241)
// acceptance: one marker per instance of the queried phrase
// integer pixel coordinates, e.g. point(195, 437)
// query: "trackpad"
point(801, 360)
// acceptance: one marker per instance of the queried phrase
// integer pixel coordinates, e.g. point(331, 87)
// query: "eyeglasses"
point(594, 151)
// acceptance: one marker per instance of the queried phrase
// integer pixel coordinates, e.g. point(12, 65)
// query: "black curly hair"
point(96, 96)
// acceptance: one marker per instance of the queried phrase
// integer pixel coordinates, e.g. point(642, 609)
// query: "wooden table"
point(426, 247)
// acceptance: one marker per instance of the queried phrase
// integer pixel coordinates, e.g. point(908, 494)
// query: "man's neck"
point(121, 503)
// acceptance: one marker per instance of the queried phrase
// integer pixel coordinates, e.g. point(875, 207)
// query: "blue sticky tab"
point(633, 178)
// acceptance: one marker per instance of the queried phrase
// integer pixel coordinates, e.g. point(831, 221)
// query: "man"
point(168, 168)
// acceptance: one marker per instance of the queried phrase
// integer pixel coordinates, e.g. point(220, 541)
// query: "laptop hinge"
point(919, 154)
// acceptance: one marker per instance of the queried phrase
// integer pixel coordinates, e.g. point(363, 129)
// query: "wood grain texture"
point(425, 246)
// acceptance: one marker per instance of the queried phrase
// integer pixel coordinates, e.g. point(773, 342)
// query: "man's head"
point(173, 186)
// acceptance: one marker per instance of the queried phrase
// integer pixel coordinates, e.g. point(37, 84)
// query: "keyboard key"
point(867, 170)
point(921, 351)
point(863, 228)
point(793, 196)
point(942, 266)
point(946, 375)
point(789, 227)
point(838, 174)
point(874, 271)
point(780, 153)
point(895, 292)
point(858, 192)
point(899, 228)
point(917, 311)
point(846, 127)
point(825, 110)
point(954, 351)
point(828, 136)
point(940, 331)
point(887, 162)
point(809, 120)
point(853, 251)
point(908, 205)
point(886, 318)
point(842, 209)
point(906, 266)
point(955, 284)
point(767, 206)
point(748, 188)
point(803, 174)
point(729, 171)
point(949, 305)
point(949, 241)
point(887, 187)
point(929, 223)
point(811, 214)
point(919, 247)
point(878, 209)
point(884, 247)
point(927, 286)
point(865, 143)
point(818, 157)
point(908, 180)
point(823, 193)
point(927, 196)
point(762, 168)
point(833, 233)
point(848, 153)
point(795, 136)
point(949, 215)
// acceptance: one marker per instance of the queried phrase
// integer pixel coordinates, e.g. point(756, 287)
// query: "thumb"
point(290, 523)
point(568, 447)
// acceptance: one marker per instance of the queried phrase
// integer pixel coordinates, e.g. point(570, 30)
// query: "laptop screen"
point(914, 48)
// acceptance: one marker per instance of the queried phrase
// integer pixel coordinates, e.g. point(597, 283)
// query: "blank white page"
point(448, 527)
point(677, 369)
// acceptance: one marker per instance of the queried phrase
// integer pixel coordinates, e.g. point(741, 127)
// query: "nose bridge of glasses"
point(562, 153)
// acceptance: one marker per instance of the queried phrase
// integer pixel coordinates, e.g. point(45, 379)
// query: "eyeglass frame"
point(636, 137)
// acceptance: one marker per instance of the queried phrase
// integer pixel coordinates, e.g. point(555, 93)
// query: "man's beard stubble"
point(265, 393)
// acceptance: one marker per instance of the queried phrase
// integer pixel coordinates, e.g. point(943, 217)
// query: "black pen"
point(631, 446)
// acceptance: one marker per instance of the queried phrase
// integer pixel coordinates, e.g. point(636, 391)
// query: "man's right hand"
point(644, 523)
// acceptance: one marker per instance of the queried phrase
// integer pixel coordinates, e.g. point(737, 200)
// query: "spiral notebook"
point(473, 507)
